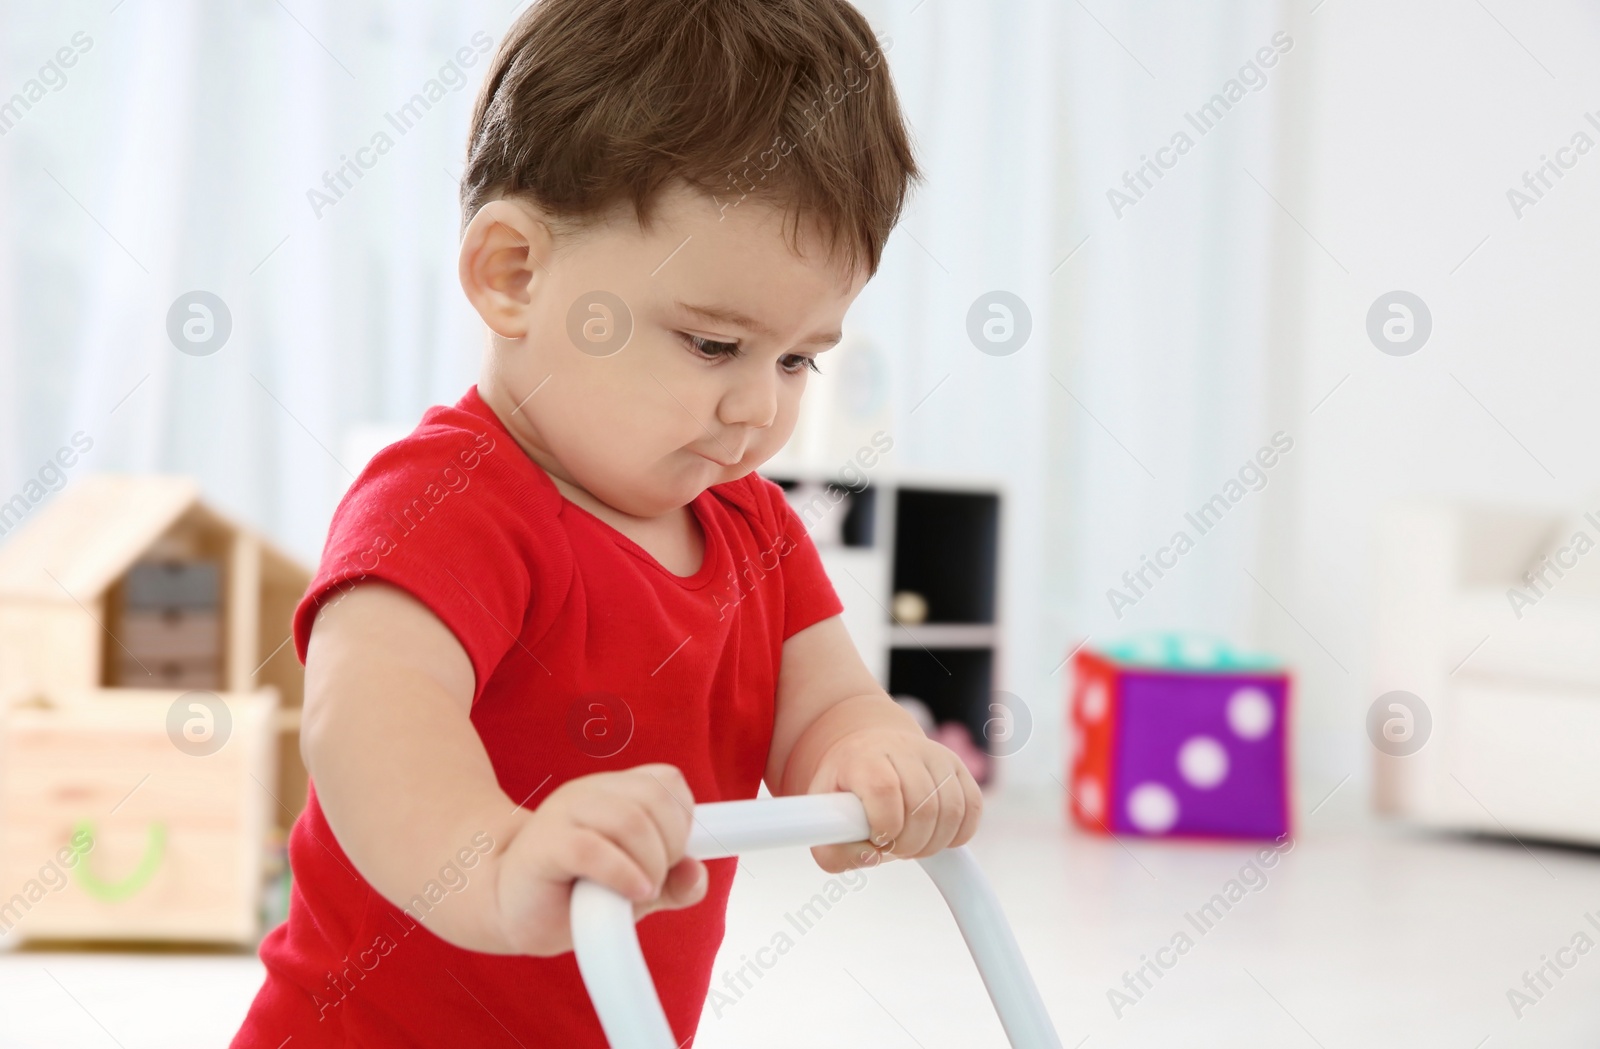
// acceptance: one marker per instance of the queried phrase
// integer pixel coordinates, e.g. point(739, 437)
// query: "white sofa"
point(1515, 699)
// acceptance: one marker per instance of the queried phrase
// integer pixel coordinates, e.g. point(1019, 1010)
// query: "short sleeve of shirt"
point(808, 593)
point(449, 515)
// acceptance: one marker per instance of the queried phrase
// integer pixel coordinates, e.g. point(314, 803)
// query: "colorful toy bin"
point(1179, 736)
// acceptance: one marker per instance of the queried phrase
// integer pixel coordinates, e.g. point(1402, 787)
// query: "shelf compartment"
point(946, 549)
point(955, 683)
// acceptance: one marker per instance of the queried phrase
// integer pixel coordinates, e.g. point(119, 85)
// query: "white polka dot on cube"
point(1202, 762)
point(1152, 808)
point(1091, 797)
point(1095, 702)
point(1250, 713)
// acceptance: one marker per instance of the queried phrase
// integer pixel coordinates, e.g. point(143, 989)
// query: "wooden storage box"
point(109, 830)
point(130, 590)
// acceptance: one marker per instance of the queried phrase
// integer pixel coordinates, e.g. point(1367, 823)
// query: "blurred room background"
point(1172, 329)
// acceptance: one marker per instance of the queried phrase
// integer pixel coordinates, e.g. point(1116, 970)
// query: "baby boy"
point(565, 609)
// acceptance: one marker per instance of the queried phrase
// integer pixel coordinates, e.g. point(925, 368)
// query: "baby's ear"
point(506, 247)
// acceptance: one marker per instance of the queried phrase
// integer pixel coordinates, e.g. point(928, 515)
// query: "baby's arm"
point(406, 784)
point(836, 729)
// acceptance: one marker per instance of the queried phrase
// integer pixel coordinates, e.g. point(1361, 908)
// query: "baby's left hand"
point(918, 795)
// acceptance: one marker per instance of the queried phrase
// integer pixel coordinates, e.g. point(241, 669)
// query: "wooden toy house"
point(149, 716)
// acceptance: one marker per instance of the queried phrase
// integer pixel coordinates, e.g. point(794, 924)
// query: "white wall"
point(191, 135)
point(1231, 300)
point(1166, 329)
point(178, 154)
point(1424, 115)
point(978, 86)
point(1187, 330)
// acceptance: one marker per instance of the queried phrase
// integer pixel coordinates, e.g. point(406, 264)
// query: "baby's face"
point(670, 360)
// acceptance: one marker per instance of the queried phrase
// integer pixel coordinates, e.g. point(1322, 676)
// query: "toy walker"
point(613, 966)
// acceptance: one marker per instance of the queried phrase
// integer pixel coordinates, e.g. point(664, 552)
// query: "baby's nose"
point(752, 402)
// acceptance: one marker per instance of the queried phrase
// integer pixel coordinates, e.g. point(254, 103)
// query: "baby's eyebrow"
point(729, 315)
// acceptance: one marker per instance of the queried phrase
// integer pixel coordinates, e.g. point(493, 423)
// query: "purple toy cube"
point(1176, 736)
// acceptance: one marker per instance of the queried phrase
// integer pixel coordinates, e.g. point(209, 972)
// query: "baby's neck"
point(674, 538)
point(508, 409)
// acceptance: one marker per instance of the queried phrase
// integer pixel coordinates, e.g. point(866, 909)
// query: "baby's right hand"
point(626, 830)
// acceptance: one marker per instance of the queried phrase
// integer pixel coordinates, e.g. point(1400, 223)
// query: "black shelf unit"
point(858, 504)
point(946, 547)
point(955, 683)
point(939, 537)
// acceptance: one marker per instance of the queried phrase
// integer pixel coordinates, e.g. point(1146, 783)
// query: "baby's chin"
point(686, 490)
point(668, 484)
point(657, 495)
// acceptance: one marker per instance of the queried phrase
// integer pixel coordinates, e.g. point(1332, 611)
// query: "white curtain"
point(179, 154)
point(1151, 374)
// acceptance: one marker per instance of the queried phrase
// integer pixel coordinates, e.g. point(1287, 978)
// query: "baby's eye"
point(795, 363)
point(710, 348)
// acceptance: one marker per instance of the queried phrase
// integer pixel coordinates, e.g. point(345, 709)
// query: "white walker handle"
point(619, 983)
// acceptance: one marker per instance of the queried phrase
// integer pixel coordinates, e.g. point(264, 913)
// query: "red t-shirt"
point(590, 656)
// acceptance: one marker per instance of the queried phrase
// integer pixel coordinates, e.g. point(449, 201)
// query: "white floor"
point(1363, 936)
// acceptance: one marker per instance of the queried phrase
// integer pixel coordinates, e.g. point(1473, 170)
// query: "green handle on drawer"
point(111, 892)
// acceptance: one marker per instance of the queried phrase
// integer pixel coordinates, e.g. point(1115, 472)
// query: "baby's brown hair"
point(590, 103)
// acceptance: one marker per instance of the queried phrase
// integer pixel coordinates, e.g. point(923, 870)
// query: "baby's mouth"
point(719, 460)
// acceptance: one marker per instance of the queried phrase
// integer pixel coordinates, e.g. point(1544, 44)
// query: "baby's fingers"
point(877, 783)
point(670, 801)
point(685, 885)
point(925, 799)
point(951, 801)
point(632, 827)
point(971, 813)
point(589, 854)
point(852, 855)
